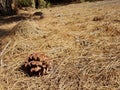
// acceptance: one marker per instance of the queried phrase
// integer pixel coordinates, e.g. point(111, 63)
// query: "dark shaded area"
point(54, 2)
point(3, 33)
point(27, 72)
point(117, 21)
point(38, 14)
point(98, 18)
point(22, 16)
point(37, 3)
point(15, 18)
point(6, 9)
point(65, 2)
point(3, 13)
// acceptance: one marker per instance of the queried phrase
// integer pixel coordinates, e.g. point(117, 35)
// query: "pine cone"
point(37, 64)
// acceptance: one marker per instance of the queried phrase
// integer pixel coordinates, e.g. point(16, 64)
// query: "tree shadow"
point(19, 17)
point(3, 33)
point(14, 18)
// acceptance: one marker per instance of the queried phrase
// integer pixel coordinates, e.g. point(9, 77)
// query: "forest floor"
point(83, 40)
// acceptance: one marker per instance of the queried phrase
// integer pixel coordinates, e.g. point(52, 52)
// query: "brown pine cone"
point(38, 64)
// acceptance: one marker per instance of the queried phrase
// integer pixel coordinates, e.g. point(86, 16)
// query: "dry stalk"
point(3, 51)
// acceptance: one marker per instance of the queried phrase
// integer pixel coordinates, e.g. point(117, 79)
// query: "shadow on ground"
point(22, 16)
point(11, 19)
point(3, 33)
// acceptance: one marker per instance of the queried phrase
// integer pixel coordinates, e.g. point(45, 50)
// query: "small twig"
point(1, 60)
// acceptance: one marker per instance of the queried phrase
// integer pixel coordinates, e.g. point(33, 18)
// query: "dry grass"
point(85, 52)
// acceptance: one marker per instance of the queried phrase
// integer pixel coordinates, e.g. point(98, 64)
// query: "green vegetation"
point(24, 2)
point(9, 7)
point(47, 3)
point(42, 3)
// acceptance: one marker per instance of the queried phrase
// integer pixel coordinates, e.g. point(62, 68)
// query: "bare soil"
point(83, 40)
